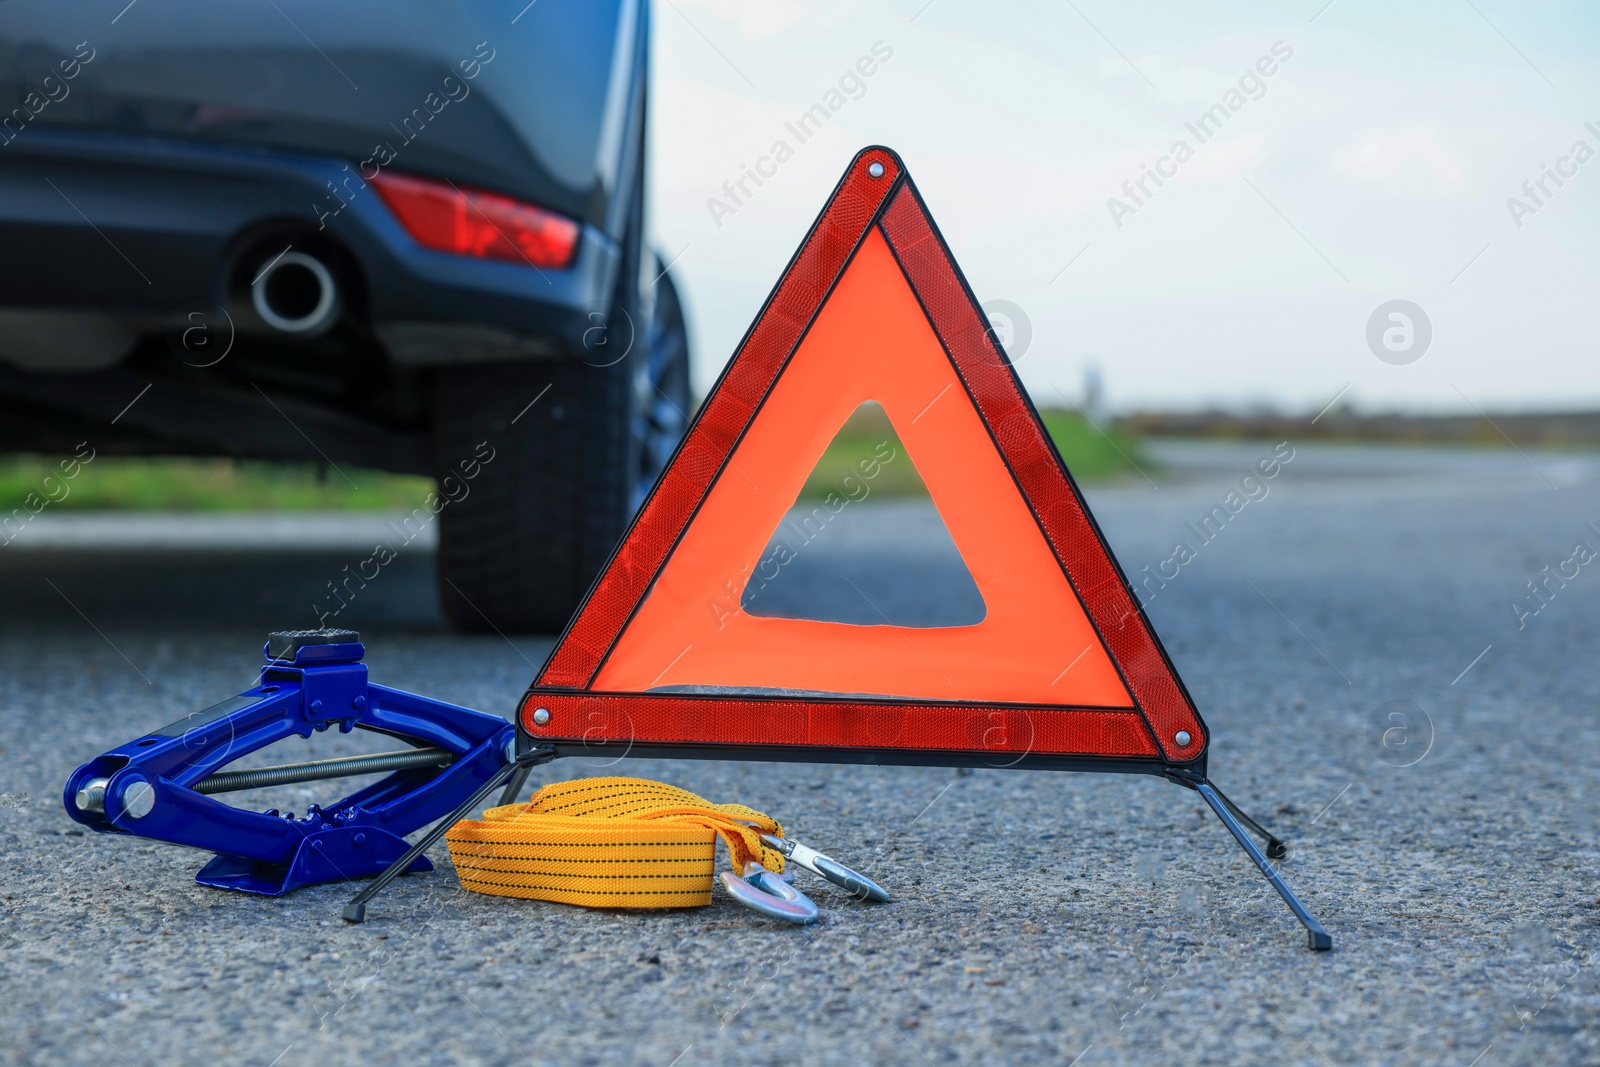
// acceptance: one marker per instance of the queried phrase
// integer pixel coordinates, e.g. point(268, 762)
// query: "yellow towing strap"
point(608, 843)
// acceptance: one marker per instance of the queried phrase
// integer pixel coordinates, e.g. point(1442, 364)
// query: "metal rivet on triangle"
point(541, 716)
point(875, 170)
point(1181, 737)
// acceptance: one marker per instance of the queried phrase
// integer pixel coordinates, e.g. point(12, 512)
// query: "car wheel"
point(541, 464)
point(663, 411)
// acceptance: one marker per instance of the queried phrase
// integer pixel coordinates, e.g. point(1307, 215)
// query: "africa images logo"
point(1252, 85)
point(851, 85)
point(1399, 332)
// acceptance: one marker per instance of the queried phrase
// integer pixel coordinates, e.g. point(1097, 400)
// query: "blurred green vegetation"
point(129, 483)
point(1090, 455)
point(1094, 456)
point(132, 483)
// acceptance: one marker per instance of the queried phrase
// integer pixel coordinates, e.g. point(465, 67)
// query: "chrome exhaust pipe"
point(295, 294)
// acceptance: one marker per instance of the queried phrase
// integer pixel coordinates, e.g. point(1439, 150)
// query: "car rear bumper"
point(126, 235)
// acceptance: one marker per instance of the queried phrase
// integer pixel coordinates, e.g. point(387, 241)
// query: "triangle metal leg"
point(1317, 938)
point(1276, 849)
point(356, 910)
point(514, 786)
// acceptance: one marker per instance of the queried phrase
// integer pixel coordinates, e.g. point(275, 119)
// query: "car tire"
point(560, 453)
point(665, 407)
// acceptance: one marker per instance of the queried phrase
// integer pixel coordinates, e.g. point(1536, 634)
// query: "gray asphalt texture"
point(1441, 802)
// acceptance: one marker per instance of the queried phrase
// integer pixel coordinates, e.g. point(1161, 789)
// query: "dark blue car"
point(397, 234)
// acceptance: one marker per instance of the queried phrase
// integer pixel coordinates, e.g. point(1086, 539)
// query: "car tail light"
point(472, 222)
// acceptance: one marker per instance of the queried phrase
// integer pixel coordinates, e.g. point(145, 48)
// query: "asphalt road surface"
point(1349, 636)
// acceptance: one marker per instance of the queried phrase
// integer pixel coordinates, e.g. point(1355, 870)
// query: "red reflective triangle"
point(1064, 663)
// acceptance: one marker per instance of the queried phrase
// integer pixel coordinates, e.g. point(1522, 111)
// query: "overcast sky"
point(1375, 163)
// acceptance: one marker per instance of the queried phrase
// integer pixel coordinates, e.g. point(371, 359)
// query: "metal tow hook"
point(852, 882)
point(855, 883)
point(762, 891)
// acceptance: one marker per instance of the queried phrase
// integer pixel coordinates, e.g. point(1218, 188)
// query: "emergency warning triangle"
point(1063, 663)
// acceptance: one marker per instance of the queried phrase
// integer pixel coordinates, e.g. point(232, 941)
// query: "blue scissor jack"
point(161, 785)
